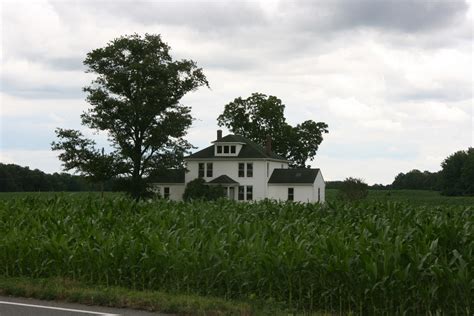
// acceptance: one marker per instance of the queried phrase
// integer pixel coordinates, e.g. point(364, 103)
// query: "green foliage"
point(417, 180)
point(458, 173)
point(364, 258)
point(135, 99)
point(197, 189)
point(260, 115)
point(353, 189)
point(14, 178)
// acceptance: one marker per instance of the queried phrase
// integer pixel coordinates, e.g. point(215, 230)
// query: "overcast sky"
point(393, 79)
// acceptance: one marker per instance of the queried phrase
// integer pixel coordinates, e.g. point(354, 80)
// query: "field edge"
point(61, 289)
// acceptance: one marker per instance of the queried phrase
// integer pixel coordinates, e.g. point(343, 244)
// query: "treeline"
point(418, 180)
point(338, 185)
point(455, 178)
point(14, 178)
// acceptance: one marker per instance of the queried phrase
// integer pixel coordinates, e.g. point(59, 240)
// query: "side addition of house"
point(246, 170)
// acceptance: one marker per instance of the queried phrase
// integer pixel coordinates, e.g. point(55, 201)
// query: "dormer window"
point(227, 150)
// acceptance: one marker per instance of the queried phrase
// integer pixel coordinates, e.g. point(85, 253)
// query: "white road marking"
point(59, 308)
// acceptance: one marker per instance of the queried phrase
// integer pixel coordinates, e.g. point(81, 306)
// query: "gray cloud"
point(213, 16)
point(41, 91)
point(396, 15)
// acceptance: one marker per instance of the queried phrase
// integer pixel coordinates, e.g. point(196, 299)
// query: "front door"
point(231, 193)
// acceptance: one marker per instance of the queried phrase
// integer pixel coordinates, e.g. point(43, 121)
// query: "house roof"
point(223, 180)
point(231, 138)
point(293, 176)
point(169, 176)
point(249, 150)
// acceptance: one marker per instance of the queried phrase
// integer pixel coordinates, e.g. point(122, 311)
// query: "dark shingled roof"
point(169, 176)
point(232, 139)
point(249, 150)
point(293, 176)
point(223, 180)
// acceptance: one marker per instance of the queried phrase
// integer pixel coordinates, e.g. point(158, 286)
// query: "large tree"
point(135, 99)
point(457, 174)
point(260, 115)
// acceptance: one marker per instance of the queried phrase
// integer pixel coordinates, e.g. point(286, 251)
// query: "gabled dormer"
point(236, 147)
point(228, 146)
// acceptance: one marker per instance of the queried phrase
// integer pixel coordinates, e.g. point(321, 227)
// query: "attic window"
point(219, 149)
point(232, 149)
point(226, 149)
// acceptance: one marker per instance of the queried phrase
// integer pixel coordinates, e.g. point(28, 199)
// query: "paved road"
point(13, 306)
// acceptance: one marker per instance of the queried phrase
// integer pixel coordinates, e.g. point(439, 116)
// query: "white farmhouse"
point(246, 170)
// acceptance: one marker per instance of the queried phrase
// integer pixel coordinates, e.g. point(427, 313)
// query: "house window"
point(319, 194)
point(249, 169)
point(209, 169)
point(249, 193)
point(241, 193)
point(219, 149)
point(241, 170)
point(166, 192)
point(291, 194)
point(232, 149)
point(226, 149)
point(201, 170)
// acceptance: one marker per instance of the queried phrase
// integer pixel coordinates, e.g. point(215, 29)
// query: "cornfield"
point(362, 258)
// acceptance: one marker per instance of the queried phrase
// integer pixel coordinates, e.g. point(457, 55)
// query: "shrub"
point(353, 189)
point(199, 190)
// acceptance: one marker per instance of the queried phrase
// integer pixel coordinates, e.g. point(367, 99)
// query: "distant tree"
point(136, 100)
point(14, 178)
point(458, 173)
point(353, 189)
point(417, 180)
point(260, 115)
point(197, 189)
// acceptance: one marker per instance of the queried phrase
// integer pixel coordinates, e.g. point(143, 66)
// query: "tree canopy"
point(14, 178)
point(417, 180)
point(458, 173)
point(135, 99)
point(259, 116)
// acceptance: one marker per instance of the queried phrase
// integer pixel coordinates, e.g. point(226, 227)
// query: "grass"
point(370, 257)
point(154, 301)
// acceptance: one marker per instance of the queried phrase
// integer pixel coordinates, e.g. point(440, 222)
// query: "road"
point(14, 306)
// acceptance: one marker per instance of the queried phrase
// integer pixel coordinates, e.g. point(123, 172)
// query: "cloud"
point(407, 16)
point(210, 16)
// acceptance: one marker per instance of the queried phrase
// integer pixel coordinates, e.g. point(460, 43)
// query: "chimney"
point(219, 134)
point(268, 145)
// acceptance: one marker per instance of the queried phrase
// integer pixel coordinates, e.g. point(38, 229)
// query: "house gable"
point(245, 149)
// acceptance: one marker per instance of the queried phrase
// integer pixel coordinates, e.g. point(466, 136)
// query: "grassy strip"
point(71, 291)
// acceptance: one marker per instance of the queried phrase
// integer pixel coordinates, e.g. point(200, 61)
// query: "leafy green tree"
point(197, 189)
point(260, 115)
point(417, 180)
point(458, 173)
point(353, 189)
point(135, 99)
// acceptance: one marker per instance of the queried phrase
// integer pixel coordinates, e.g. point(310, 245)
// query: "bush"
point(199, 190)
point(353, 189)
